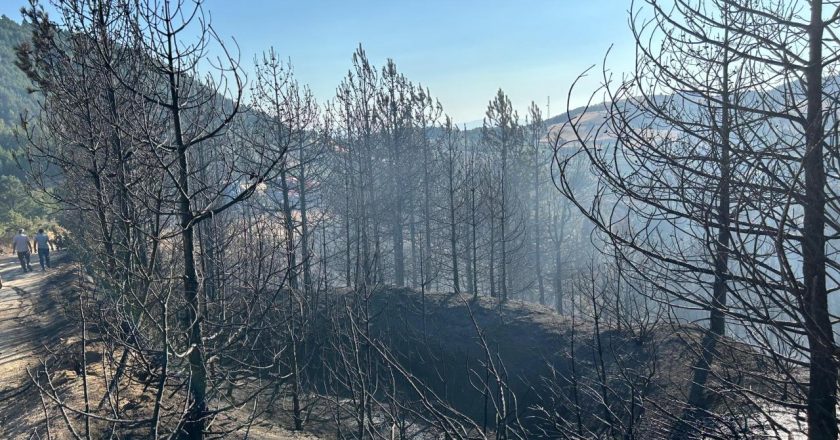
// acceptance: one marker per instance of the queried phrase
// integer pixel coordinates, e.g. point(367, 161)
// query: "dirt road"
point(30, 318)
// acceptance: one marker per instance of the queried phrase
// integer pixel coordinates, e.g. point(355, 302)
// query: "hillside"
point(430, 353)
point(14, 97)
point(552, 368)
point(17, 207)
point(238, 262)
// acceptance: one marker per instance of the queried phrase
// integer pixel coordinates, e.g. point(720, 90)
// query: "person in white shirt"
point(42, 246)
point(21, 245)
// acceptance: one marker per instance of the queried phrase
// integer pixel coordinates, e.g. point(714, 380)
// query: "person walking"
point(21, 245)
point(42, 245)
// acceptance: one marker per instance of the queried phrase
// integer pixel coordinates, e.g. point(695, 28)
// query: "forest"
point(247, 261)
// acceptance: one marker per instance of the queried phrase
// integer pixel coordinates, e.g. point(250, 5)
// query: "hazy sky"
point(463, 50)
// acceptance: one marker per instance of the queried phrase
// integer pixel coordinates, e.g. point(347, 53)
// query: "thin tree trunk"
point(698, 401)
point(558, 257)
point(192, 323)
point(289, 225)
point(493, 293)
point(397, 225)
point(306, 253)
point(453, 238)
point(537, 224)
point(347, 211)
point(415, 260)
point(822, 389)
point(427, 214)
point(503, 227)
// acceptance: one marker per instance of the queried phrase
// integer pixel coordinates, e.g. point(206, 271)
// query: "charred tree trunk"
point(822, 389)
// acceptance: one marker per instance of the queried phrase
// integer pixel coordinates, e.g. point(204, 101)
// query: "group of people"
point(40, 244)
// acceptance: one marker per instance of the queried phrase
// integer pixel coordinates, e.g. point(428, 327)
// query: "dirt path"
point(30, 318)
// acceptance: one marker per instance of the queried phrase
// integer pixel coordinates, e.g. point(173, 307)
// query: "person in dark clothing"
point(42, 245)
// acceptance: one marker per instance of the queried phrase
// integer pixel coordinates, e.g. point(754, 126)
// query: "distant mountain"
point(478, 123)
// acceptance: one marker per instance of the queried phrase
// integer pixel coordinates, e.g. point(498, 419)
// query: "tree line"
point(238, 237)
point(215, 215)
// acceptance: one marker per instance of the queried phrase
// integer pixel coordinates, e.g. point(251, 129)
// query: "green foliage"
point(18, 208)
point(16, 205)
point(14, 86)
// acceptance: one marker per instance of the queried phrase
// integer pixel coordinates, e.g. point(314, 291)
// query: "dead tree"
point(155, 177)
point(502, 134)
point(757, 154)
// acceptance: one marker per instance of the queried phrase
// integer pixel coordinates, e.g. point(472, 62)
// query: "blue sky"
point(463, 50)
